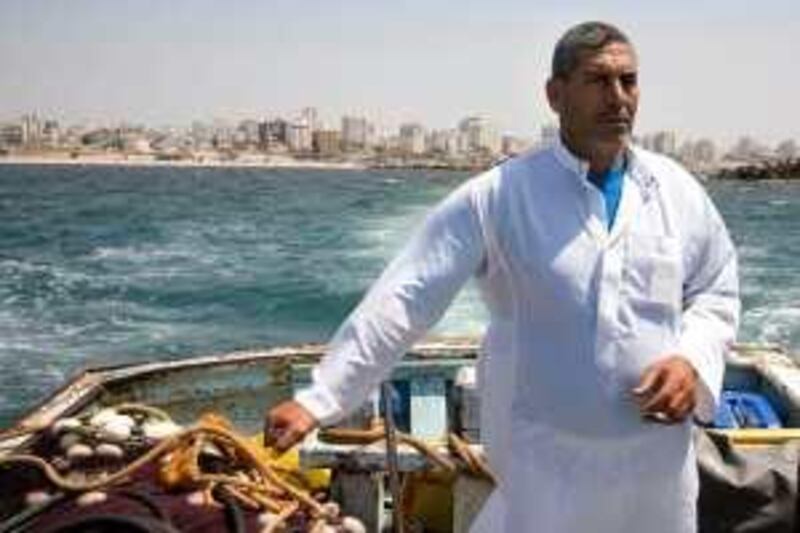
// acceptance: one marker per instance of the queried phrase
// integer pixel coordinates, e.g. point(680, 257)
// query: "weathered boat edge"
point(772, 362)
point(87, 384)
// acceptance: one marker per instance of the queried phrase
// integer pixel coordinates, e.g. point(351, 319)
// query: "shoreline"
point(270, 163)
point(183, 163)
point(284, 162)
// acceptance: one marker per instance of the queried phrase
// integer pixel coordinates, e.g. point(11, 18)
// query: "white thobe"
point(576, 314)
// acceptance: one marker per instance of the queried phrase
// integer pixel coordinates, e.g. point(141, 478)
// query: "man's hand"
point(667, 392)
point(286, 424)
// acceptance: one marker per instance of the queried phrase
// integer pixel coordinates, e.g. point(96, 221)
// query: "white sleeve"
point(710, 306)
point(409, 297)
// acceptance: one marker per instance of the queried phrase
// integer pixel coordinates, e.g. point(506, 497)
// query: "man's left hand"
point(667, 392)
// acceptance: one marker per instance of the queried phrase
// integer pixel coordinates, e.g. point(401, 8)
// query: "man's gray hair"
point(585, 37)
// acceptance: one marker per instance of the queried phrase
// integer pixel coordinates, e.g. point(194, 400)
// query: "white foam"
point(145, 254)
point(778, 322)
point(750, 252)
point(377, 242)
point(370, 248)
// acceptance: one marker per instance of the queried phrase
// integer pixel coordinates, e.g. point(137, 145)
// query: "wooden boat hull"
point(239, 385)
point(242, 385)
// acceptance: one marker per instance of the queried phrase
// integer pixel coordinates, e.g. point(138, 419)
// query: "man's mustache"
point(615, 118)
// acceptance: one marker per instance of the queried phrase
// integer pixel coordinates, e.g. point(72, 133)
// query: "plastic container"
point(739, 409)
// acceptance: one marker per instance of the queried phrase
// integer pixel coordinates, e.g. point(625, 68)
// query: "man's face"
point(596, 103)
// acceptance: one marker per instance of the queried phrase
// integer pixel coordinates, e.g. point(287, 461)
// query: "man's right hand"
point(286, 424)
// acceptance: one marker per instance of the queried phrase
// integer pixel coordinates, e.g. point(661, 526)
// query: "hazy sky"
point(717, 68)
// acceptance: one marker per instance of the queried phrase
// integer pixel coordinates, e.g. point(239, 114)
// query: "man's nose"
point(615, 92)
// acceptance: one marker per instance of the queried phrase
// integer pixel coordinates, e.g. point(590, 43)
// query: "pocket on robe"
point(652, 281)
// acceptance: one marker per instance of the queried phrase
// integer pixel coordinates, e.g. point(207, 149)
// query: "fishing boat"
point(434, 394)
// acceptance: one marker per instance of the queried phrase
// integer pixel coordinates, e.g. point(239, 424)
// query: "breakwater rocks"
point(788, 169)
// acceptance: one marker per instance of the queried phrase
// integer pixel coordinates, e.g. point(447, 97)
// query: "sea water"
point(107, 265)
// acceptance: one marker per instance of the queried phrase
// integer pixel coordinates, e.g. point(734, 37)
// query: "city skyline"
point(366, 124)
point(717, 70)
point(473, 143)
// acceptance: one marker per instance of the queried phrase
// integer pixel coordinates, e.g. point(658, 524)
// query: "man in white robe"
point(610, 314)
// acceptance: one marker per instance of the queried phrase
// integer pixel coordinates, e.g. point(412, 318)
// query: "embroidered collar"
point(641, 174)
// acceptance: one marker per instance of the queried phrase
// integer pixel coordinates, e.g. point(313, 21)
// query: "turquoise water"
point(103, 265)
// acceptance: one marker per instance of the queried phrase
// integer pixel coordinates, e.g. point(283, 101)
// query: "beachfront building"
point(481, 135)
point(698, 156)
point(357, 134)
point(32, 128)
point(299, 136)
point(388, 145)
point(310, 117)
point(202, 136)
point(412, 139)
point(51, 134)
point(665, 142)
point(222, 136)
point(704, 152)
point(327, 142)
point(272, 135)
point(446, 142)
point(246, 136)
point(11, 135)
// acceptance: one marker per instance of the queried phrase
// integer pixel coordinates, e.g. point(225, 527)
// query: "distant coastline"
point(123, 161)
point(254, 161)
point(766, 170)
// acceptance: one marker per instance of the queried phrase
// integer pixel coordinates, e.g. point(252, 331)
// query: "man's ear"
point(554, 89)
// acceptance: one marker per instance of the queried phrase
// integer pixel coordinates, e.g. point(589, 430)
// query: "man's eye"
point(629, 80)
